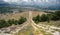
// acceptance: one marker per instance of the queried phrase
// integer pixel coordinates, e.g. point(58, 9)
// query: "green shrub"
point(55, 18)
point(11, 22)
point(57, 13)
point(37, 19)
point(22, 20)
point(8, 23)
point(44, 18)
point(3, 23)
point(50, 16)
point(47, 17)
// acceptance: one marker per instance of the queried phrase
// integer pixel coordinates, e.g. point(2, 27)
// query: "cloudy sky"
point(37, 2)
point(40, 3)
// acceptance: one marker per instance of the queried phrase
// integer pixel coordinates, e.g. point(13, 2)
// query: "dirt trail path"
point(36, 30)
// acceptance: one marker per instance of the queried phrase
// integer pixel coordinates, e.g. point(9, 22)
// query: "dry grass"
point(17, 15)
point(13, 15)
point(35, 13)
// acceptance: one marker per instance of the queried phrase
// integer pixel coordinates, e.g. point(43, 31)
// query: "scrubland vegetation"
point(55, 16)
point(4, 23)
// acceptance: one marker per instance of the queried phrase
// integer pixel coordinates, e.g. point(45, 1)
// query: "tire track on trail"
point(36, 29)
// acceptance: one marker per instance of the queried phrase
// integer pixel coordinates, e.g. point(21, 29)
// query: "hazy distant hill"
point(31, 4)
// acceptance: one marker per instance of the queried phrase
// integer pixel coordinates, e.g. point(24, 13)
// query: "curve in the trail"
point(46, 28)
point(36, 29)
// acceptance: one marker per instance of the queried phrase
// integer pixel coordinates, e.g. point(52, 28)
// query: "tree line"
point(4, 23)
point(55, 16)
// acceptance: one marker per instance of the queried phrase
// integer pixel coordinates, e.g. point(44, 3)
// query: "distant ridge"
point(34, 5)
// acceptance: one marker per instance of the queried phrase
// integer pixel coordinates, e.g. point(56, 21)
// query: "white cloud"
point(25, 0)
point(6, 0)
point(47, 0)
point(11, 0)
point(29, 1)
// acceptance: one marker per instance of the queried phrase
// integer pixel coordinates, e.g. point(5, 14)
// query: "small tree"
point(3, 23)
point(22, 20)
point(55, 17)
point(57, 13)
point(50, 16)
point(11, 22)
point(37, 19)
point(44, 18)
